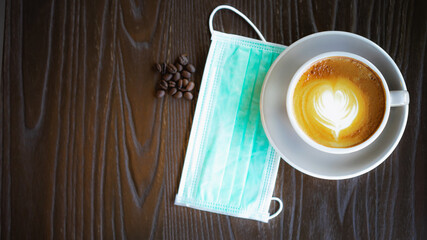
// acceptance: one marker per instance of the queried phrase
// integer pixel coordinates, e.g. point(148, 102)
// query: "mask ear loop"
point(238, 13)
point(280, 208)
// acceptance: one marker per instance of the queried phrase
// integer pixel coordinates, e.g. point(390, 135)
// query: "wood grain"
point(89, 153)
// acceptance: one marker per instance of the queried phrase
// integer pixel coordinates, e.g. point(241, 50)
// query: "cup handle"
point(399, 98)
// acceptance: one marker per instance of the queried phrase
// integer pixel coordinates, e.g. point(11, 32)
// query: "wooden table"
point(89, 152)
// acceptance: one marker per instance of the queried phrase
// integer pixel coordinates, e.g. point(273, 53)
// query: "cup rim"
point(303, 135)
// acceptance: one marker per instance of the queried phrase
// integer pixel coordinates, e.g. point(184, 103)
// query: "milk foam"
point(339, 102)
point(335, 109)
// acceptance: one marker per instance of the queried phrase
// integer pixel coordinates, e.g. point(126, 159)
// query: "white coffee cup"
point(392, 99)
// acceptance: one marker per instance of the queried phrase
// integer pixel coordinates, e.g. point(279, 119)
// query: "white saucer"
point(283, 137)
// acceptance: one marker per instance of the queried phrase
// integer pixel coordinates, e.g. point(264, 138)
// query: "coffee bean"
point(160, 93)
point(171, 68)
point(179, 84)
point(190, 86)
point(188, 95)
point(186, 74)
point(183, 60)
point(164, 85)
point(179, 67)
point(184, 82)
point(172, 84)
point(163, 68)
point(167, 76)
point(158, 67)
point(190, 67)
point(176, 76)
point(172, 91)
point(178, 95)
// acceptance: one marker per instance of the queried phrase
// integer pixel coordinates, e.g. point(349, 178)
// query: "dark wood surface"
point(88, 152)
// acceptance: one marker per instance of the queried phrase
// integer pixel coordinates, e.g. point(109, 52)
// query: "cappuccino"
point(339, 102)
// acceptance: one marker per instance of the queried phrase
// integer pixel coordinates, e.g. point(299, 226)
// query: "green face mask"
point(230, 167)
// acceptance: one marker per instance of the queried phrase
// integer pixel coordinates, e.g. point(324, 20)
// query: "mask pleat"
point(235, 166)
point(255, 145)
point(222, 123)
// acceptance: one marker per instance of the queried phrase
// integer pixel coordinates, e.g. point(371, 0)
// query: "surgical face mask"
point(230, 167)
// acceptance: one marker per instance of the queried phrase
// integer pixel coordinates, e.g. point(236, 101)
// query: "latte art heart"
point(335, 110)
